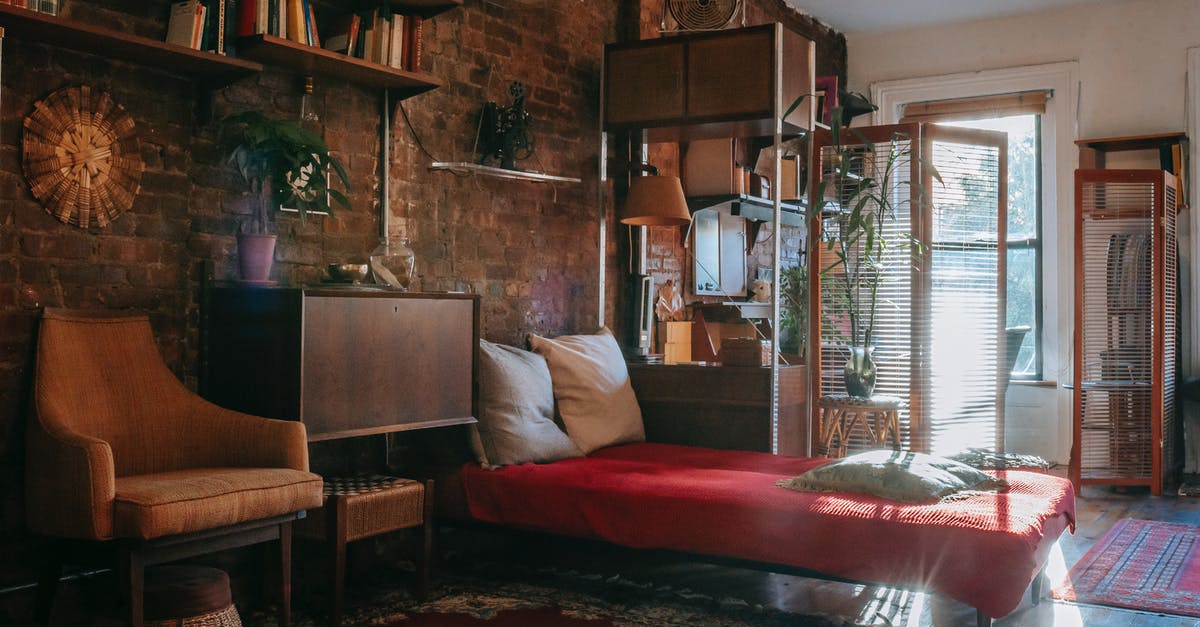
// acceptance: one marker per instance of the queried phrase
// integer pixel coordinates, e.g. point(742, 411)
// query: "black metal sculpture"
point(504, 131)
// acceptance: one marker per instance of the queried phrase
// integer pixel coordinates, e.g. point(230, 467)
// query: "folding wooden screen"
point(1125, 328)
point(939, 329)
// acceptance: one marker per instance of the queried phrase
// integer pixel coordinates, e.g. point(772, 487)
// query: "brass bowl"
point(348, 272)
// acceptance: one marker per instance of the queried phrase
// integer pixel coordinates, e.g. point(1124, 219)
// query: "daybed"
point(604, 482)
point(984, 549)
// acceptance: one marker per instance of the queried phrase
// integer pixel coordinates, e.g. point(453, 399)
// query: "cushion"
point(591, 385)
point(516, 410)
point(896, 475)
point(179, 501)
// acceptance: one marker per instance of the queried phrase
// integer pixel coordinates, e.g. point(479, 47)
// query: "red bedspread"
point(983, 550)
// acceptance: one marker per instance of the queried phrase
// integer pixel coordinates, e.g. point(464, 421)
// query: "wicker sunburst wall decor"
point(81, 157)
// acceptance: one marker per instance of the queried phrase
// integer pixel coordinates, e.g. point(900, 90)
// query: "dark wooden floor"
point(1097, 510)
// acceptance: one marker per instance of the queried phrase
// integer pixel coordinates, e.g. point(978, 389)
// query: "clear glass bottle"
point(394, 265)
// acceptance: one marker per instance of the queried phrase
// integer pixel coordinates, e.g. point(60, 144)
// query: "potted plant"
point(284, 165)
point(793, 303)
point(857, 198)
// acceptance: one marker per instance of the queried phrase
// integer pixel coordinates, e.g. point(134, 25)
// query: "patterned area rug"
point(564, 599)
point(1139, 564)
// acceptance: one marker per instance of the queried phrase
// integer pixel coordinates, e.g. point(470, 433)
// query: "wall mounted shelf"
point(310, 60)
point(464, 168)
point(752, 207)
point(213, 69)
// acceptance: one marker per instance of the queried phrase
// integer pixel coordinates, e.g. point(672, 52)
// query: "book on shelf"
point(383, 40)
point(342, 33)
point(413, 61)
point(213, 37)
point(314, 36)
point(186, 24)
point(396, 44)
point(295, 21)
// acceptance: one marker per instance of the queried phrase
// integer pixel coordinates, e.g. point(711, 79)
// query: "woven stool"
point(365, 506)
point(878, 416)
point(189, 596)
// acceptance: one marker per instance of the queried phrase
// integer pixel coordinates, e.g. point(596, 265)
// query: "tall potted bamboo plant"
point(856, 200)
point(283, 164)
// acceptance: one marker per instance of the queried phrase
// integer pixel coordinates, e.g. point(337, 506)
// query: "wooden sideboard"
point(724, 407)
point(346, 361)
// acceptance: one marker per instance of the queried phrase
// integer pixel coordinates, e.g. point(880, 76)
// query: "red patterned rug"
point(1142, 565)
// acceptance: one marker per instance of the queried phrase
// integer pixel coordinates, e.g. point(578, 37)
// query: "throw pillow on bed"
point(516, 410)
point(895, 475)
point(591, 385)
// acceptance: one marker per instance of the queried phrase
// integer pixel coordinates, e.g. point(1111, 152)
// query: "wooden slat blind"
point(1003, 105)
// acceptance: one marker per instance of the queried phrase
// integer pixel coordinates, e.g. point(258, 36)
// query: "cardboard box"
point(745, 351)
point(674, 341)
point(709, 168)
point(793, 182)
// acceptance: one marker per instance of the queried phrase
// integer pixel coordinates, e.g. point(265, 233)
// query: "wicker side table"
point(366, 506)
point(879, 416)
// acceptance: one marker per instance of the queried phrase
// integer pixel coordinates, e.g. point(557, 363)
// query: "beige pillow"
point(591, 385)
point(516, 410)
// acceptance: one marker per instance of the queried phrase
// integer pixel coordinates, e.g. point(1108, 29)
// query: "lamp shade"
point(655, 201)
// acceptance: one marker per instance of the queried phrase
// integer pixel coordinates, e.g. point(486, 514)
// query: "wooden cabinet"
point(1126, 429)
point(723, 407)
point(717, 84)
point(344, 361)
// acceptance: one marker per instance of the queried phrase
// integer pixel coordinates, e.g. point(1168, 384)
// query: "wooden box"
point(745, 351)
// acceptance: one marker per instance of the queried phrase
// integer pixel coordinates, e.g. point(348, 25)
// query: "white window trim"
point(1059, 160)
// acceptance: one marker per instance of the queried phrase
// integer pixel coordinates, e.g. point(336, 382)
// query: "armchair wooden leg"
point(285, 574)
point(336, 535)
point(48, 576)
point(131, 570)
point(425, 558)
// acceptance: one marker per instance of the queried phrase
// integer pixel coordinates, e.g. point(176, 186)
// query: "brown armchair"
point(120, 453)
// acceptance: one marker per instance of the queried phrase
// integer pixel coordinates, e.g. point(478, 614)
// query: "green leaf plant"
point(283, 163)
point(857, 200)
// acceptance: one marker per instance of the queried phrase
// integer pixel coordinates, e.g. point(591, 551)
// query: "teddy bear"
point(762, 291)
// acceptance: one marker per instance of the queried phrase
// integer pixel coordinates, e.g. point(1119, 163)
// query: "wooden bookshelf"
point(424, 8)
point(310, 60)
point(215, 70)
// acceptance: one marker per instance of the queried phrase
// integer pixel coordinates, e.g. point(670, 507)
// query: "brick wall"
point(529, 249)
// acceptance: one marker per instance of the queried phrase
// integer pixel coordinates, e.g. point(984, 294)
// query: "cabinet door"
point(385, 364)
point(644, 85)
point(731, 76)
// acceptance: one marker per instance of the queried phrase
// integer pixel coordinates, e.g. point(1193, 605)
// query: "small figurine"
point(670, 303)
point(762, 291)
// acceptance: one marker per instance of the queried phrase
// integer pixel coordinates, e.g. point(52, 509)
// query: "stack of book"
point(388, 39)
point(41, 6)
point(290, 19)
point(202, 25)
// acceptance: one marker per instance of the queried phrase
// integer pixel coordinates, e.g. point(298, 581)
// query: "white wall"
point(1132, 61)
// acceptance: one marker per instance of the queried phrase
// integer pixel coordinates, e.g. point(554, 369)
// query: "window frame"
point(1059, 159)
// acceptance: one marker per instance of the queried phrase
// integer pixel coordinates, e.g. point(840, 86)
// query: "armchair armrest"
point(238, 439)
point(69, 484)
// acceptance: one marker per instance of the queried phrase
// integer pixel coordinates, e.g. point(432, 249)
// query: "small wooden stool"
point(189, 596)
point(879, 416)
point(366, 506)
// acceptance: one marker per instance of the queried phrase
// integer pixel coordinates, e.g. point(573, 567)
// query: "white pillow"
point(591, 386)
point(516, 410)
